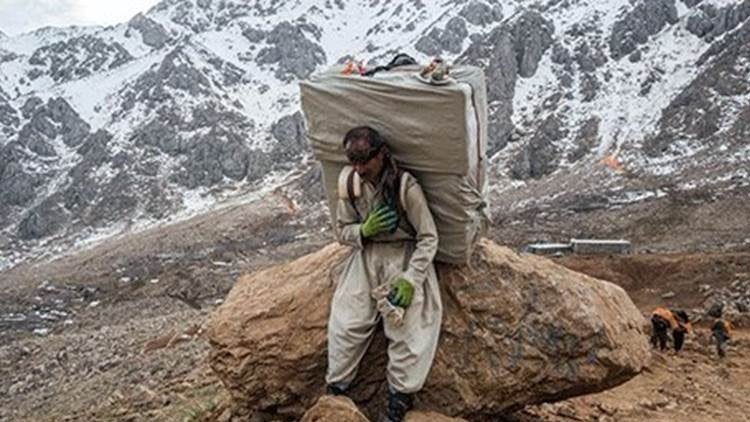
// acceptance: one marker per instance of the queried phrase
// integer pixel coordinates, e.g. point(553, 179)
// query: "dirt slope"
point(693, 386)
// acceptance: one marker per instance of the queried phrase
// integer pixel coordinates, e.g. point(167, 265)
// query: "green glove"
point(379, 220)
point(402, 293)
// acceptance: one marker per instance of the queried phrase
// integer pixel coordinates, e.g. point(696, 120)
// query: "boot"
point(398, 405)
point(335, 390)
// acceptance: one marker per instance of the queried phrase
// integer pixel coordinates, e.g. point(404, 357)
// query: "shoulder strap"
point(400, 59)
point(404, 222)
point(403, 188)
point(350, 187)
point(350, 193)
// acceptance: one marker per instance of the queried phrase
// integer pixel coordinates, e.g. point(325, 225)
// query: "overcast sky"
point(18, 16)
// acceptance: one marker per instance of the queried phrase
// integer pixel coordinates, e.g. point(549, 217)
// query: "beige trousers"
point(354, 317)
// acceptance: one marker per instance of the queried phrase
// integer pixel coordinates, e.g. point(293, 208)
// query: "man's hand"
point(402, 293)
point(382, 219)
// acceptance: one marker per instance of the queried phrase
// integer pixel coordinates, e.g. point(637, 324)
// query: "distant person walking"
point(662, 321)
point(721, 333)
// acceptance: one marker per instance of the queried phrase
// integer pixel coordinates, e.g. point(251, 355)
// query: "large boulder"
point(517, 330)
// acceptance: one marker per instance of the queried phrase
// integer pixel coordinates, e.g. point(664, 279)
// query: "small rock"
point(46, 285)
point(567, 411)
point(419, 416)
point(715, 310)
point(16, 388)
point(94, 304)
point(660, 402)
point(42, 332)
point(330, 408)
point(154, 280)
point(87, 292)
point(668, 295)
point(606, 409)
point(647, 404)
point(107, 364)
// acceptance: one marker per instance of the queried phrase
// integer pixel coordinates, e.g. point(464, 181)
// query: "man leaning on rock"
point(382, 213)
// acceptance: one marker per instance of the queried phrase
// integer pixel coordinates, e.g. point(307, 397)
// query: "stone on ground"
point(417, 416)
point(343, 409)
point(334, 409)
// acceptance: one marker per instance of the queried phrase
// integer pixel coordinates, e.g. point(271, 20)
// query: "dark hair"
point(376, 144)
point(363, 133)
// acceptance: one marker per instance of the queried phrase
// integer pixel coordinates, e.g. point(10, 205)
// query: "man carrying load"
point(383, 214)
point(721, 333)
point(662, 320)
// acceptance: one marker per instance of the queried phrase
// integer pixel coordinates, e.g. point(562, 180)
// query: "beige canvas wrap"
point(436, 132)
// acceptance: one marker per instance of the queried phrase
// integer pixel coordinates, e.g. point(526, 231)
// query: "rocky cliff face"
point(8, 115)
point(76, 58)
point(635, 27)
point(713, 108)
point(196, 100)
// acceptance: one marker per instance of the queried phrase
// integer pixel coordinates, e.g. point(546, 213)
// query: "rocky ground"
point(691, 386)
point(114, 332)
point(109, 327)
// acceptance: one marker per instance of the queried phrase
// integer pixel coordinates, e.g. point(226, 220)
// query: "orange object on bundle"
point(351, 66)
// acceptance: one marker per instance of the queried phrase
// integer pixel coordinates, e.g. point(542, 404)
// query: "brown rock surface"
point(517, 330)
point(343, 409)
point(418, 416)
point(334, 409)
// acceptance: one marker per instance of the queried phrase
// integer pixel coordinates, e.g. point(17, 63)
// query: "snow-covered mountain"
point(103, 129)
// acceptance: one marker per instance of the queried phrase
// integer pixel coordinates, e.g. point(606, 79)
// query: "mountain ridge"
point(126, 125)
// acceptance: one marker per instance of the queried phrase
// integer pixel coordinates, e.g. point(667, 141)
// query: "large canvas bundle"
point(436, 132)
